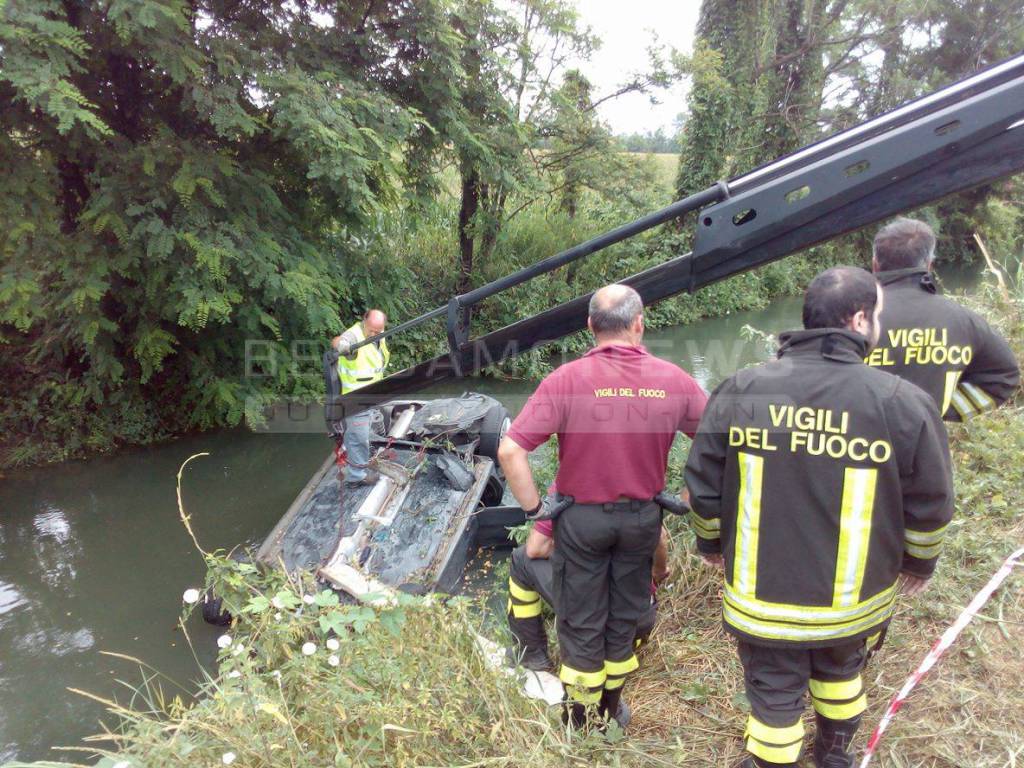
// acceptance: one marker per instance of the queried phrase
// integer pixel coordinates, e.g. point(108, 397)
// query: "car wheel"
point(494, 490)
point(213, 610)
point(492, 428)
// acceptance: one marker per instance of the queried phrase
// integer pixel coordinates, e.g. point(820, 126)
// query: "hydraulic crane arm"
point(967, 134)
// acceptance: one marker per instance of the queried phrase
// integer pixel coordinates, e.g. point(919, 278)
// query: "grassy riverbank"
point(407, 686)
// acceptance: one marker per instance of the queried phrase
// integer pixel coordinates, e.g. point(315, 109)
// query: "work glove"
point(550, 507)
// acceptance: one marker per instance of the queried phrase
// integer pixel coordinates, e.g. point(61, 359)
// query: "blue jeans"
point(357, 446)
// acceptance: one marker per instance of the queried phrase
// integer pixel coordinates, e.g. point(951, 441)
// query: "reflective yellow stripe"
point(952, 379)
point(923, 553)
point(925, 538)
point(840, 711)
point(571, 676)
point(614, 682)
point(526, 611)
point(838, 691)
point(584, 696)
point(748, 523)
point(776, 745)
point(854, 534)
point(772, 735)
point(962, 405)
point(874, 638)
point(621, 667)
point(522, 593)
point(777, 631)
point(788, 754)
point(981, 399)
point(706, 529)
point(802, 614)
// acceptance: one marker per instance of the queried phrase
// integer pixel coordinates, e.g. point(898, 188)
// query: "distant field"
point(667, 164)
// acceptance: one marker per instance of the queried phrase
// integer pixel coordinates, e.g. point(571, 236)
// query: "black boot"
point(833, 743)
point(610, 702)
point(574, 715)
point(531, 643)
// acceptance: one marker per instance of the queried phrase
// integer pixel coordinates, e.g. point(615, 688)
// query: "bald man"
point(616, 412)
point(356, 369)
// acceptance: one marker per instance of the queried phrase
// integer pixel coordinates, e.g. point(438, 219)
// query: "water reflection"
point(55, 548)
point(10, 598)
point(93, 558)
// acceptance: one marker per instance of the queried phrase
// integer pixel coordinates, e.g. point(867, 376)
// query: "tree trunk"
point(494, 207)
point(74, 192)
point(467, 213)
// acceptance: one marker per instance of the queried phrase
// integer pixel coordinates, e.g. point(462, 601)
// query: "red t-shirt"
point(616, 411)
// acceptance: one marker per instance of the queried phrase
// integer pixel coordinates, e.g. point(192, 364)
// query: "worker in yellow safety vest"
point(356, 369)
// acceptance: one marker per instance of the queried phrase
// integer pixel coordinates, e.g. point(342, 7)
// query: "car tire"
point(494, 489)
point(493, 427)
point(213, 610)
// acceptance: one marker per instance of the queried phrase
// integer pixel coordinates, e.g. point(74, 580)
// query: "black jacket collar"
point(912, 276)
point(837, 344)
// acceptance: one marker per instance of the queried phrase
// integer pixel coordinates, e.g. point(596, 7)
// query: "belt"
point(553, 506)
point(622, 503)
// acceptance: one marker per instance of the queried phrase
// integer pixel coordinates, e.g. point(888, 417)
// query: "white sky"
point(626, 29)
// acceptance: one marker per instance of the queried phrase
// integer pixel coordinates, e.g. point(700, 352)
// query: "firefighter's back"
point(819, 447)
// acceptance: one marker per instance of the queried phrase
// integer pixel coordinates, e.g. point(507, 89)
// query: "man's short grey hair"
point(903, 244)
point(614, 308)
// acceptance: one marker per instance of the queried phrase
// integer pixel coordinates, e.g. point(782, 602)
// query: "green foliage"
point(771, 75)
point(181, 178)
point(309, 679)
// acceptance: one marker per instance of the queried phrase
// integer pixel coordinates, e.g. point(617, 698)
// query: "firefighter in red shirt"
point(616, 412)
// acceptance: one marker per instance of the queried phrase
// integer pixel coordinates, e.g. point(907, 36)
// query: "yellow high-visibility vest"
point(366, 367)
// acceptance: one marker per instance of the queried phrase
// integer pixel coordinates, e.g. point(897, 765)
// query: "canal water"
point(93, 557)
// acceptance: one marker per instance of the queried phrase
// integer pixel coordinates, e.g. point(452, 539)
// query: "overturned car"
point(438, 499)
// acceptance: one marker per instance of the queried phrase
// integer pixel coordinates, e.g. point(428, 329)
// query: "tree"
point(771, 75)
point(518, 95)
point(183, 176)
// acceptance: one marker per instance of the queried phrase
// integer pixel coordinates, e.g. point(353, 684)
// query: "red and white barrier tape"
point(947, 639)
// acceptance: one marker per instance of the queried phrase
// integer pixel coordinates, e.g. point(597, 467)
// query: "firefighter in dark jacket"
point(821, 486)
point(944, 348)
point(616, 412)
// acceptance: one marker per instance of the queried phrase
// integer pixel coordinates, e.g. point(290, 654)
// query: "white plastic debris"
point(536, 685)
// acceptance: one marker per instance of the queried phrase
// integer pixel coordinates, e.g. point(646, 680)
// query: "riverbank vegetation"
point(182, 181)
point(304, 680)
